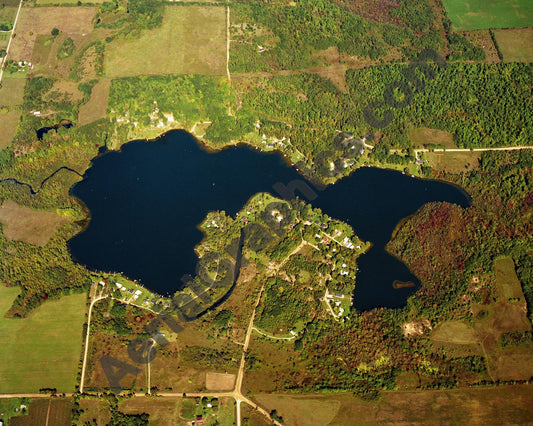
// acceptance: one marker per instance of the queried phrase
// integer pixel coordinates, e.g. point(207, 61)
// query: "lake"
point(147, 200)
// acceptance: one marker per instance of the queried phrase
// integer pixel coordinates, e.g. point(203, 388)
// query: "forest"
point(293, 35)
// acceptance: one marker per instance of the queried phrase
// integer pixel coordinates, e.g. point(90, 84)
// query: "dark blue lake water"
point(147, 201)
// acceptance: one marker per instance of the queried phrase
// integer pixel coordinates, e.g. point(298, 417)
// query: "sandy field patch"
point(28, 225)
point(219, 381)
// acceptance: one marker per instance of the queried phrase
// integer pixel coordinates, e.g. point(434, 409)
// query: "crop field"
point(501, 405)
point(42, 350)
point(28, 225)
point(479, 14)
point(515, 45)
point(191, 40)
point(49, 411)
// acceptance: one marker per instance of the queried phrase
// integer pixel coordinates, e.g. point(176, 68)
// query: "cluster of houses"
point(272, 142)
point(335, 300)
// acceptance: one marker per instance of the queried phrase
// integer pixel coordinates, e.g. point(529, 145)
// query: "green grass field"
point(484, 14)
point(191, 40)
point(44, 349)
point(508, 284)
point(515, 45)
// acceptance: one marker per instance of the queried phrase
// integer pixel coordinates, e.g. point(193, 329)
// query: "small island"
point(402, 284)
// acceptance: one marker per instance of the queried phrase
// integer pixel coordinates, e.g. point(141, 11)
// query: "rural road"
point(9, 43)
point(96, 299)
point(505, 148)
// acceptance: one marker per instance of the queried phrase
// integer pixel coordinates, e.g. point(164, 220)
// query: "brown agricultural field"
point(49, 411)
point(27, 225)
point(97, 105)
point(493, 405)
point(72, 21)
point(516, 45)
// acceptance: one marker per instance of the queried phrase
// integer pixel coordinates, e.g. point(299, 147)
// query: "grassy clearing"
point(8, 127)
point(65, 2)
point(163, 412)
point(515, 45)
point(97, 105)
point(480, 14)
point(424, 136)
point(508, 284)
point(500, 405)
point(219, 381)
point(4, 39)
point(7, 14)
point(302, 411)
point(453, 162)
point(513, 363)
point(191, 40)
point(12, 92)
point(454, 332)
point(50, 411)
point(94, 409)
point(28, 225)
point(44, 349)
